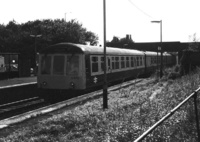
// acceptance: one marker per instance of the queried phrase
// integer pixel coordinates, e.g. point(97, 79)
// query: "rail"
point(194, 95)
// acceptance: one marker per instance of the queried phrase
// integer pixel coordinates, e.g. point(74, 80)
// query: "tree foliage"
point(15, 37)
point(194, 45)
point(121, 43)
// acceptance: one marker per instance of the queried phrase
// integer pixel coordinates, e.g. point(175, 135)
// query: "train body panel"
point(97, 80)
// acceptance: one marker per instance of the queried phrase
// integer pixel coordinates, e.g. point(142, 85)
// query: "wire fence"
point(194, 96)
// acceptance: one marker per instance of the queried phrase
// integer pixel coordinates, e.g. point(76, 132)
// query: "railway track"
point(19, 111)
point(18, 107)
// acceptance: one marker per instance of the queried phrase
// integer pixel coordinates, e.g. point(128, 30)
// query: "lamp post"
point(105, 92)
point(35, 49)
point(161, 60)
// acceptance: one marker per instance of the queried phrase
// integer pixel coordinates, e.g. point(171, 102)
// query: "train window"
point(138, 61)
point(109, 64)
point(116, 62)
point(102, 63)
point(132, 62)
point(122, 62)
point(58, 65)
point(46, 65)
point(72, 65)
point(95, 64)
point(135, 61)
point(113, 62)
point(127, 62)
point(141, 61)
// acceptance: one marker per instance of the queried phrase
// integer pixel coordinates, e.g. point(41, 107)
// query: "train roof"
point(149, 53)
point(86, 49)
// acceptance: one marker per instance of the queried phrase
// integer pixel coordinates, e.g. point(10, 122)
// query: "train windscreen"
point(46, 65)
point(72, 67)
point(58, 65)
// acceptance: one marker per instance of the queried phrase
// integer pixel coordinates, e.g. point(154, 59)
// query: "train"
point(70, 66)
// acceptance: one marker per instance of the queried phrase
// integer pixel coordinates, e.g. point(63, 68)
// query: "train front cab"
point(61, 72)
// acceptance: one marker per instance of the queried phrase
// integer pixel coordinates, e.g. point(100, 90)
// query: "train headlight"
point(44, 83)
point(72, 85)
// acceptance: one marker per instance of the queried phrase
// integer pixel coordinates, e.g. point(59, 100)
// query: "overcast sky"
point(180, 17)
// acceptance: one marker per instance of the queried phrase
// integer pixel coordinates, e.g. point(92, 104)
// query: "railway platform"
point(16, 89)
point(17, 81)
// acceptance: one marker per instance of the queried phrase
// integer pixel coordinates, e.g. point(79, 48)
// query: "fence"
point(194, 95)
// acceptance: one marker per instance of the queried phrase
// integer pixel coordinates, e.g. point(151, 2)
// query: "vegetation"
point(16, 37)
point(131, 112)
point(120, 43)
point(194, 45)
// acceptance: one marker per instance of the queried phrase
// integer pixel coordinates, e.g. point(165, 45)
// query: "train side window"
point(109, 64)
point(141, 61)
point(95, 64)
point(46, 65)
point(113, 62)
point(132, 62)
point(122, 62)
point(116, 62)
point(127, 62)
point(137, 60)
point(102, 63)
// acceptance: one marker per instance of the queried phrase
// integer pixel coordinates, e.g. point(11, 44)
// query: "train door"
point(145, 62)
point(109, 65)
point(75, 71)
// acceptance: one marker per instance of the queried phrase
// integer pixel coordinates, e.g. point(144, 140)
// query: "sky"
point(180, 18)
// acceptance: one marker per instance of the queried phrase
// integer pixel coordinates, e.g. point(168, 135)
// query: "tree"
point(116, 42)
point(16, 38)
point(194, 45)
point(91, 37)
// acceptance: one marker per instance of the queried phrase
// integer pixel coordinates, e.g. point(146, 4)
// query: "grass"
point(131, 112)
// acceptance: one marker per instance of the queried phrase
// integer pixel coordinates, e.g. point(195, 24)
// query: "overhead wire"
point(140, 9)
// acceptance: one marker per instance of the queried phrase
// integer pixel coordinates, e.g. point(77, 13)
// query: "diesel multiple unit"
point(68, 66)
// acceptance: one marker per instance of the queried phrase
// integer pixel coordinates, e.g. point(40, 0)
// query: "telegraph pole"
point(161, 66)
point(105, 86)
